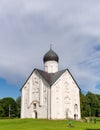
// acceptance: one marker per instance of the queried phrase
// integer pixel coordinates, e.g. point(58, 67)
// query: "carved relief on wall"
point(35, 96)
point(66, 87)
point(35, 81)
point(35, 88)
point(35, 85)
point(67, 100)
point(57, 99)
point(26, 88)
point(66, 83)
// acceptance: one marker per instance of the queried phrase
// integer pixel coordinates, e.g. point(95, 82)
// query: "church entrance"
point(34, 114)
point(75, 111)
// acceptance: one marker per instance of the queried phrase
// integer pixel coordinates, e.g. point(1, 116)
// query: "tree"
point(93, 104)
point(9, 107)
point(90, 104)
point(18, 102)
point(83, 105)
point(1, 110)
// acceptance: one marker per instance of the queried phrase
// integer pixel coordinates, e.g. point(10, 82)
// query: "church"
point(50, 93)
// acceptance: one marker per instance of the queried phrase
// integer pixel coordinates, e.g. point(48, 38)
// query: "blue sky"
point(8, 90)
point(28, 27)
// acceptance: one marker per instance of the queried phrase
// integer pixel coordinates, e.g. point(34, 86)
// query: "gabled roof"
point(51, 78)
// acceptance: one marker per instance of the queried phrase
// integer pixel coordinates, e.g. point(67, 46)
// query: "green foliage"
point(8, 107)
point(1, 111)
point(83, 105)
point(90, 104)
point(18, 102)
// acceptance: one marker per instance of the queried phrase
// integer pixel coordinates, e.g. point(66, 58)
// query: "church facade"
point(49, 93)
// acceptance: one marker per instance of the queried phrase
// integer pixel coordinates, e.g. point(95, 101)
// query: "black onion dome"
point(50, 56)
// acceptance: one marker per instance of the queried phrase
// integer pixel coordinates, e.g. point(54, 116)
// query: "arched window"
point(34, 105)
point(75, 107)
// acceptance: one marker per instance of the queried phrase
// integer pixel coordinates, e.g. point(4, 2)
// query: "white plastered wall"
point(64, 95)
point(36, 91)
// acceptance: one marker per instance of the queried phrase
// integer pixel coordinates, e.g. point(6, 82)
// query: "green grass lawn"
point(31, 124)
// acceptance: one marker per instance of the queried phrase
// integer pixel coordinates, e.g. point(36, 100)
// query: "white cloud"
point(28, 27)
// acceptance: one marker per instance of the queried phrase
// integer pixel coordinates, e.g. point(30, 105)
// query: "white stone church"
point(49, 93)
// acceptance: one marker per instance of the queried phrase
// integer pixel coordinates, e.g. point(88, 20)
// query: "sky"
point(28, 27)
